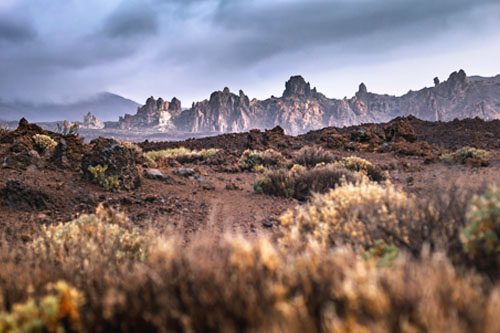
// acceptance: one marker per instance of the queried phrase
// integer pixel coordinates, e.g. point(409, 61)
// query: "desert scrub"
point(300, 182)
point(381, 253)
point(267, 158)
point(181, 155)
point(354, 214)
point(43, 143)
point(465, 155)
point(358, 164)
point(481, 236)
point(90, 237)
point(57, 311)
point(310, 156)
point(109, 183)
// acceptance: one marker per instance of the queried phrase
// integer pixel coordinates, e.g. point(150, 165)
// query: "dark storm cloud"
point(15, 31)
point(266, 29)
point(67, 47)
point(132, 19)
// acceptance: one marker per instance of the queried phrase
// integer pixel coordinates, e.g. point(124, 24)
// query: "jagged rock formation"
point(91, 122)
point(155, 113)
point(302, 109)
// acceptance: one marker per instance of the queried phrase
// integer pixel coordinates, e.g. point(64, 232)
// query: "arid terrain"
point(199, 191)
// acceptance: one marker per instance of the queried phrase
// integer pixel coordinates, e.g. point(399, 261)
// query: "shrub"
point(43, 143)
point(465, 155)
point(299, 182)
point(267, 158)
point(103, 234)
point(381, 253)
point(481, 236)
point(53, 313)
point(181, 155)
point(109, 183)
point(309, 156)
point(358, 164)
point(357, 215)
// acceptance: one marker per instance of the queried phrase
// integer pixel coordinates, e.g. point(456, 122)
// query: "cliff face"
point(157, 114)
point(302, 109)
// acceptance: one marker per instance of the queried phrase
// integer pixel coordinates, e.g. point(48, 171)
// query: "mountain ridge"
point(302, 108)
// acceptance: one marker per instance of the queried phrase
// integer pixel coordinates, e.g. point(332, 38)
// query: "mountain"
point(301, 108)
point(105, 106)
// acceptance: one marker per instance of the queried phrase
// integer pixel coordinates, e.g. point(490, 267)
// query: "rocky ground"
point(41, 186)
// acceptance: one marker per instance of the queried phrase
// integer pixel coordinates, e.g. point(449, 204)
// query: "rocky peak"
point(362, 91)
point(90, 121)
point(175, 105)
point(296, 86)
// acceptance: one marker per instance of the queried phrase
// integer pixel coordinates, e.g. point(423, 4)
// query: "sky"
point(65, 50)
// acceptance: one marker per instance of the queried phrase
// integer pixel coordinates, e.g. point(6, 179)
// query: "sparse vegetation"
point(256, 158)
point(358, 164)
point(181, 155)
point(465, 155)
point(43, 143)
point(109, 183)
point(310, 156)
point(300, 183)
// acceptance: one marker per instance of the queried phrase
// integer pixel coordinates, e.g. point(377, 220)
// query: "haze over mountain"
point(302, 108)
point(106, 106)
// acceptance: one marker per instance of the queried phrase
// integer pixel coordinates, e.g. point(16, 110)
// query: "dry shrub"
point(309, 156)
point(301, 183)
point(43, 143)
point(103, 234)
point(267, 158)
point(357, 215)
point(358, 164)
point(467, 155)
point(181, 155)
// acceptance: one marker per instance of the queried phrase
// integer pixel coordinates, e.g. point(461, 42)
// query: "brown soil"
point(37, 191)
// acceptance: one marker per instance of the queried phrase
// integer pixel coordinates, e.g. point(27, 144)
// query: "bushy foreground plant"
point(181, 155)
point(104, 233)
point(250, 159)
point(57, 311)
point(357, 215)
point(300, 183)
point(43, 143)
point(481, 236)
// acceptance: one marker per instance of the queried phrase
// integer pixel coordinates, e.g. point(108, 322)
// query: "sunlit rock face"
point(92, 122)
point(156, 113)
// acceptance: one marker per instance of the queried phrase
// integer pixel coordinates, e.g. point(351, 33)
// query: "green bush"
point(109, 183)
point(481, 236)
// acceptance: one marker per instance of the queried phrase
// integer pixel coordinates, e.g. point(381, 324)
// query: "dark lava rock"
point(68, 153)
point(121, 162)
point(19, 196)
point(185, 172)
point(268, 224)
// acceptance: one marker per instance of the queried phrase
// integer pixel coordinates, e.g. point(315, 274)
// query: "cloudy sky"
point(69, 49)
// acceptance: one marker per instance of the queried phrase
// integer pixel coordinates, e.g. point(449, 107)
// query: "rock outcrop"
point(302, 108)
point(91, 122)
point(156, 113)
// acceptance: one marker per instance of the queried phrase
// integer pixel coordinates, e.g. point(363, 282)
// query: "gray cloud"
point(15, 31)
point(132, 19)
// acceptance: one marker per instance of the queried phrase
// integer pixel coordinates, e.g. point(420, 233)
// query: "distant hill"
point(105, 106)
